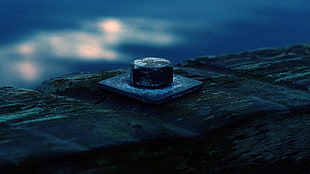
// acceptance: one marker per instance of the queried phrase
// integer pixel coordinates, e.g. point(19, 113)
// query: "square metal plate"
point(121, 85)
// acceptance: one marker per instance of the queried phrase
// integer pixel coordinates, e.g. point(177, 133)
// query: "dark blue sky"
point(44, 39)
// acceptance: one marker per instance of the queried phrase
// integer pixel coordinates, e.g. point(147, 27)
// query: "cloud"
point(27, 70)
point(96, 40)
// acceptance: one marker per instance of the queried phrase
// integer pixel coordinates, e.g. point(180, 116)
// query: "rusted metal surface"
point(151, 80)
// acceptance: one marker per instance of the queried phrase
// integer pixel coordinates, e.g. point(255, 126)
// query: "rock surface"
point(252, 116)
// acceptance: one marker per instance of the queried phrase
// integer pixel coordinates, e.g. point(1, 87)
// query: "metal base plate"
point(121, 85)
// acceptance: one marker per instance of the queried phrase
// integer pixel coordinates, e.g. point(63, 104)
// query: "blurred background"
point(43, 39)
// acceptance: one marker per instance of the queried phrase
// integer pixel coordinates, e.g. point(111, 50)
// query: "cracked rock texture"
point(252, 116)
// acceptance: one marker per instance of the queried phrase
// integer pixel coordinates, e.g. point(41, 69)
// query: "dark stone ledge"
point(252, 116)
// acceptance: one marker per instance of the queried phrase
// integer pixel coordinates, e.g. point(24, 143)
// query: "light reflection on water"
point(174, 31)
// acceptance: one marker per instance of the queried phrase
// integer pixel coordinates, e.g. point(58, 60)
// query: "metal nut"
point(151, 72)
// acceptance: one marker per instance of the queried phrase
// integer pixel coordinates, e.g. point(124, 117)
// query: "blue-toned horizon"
point(44, 39)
